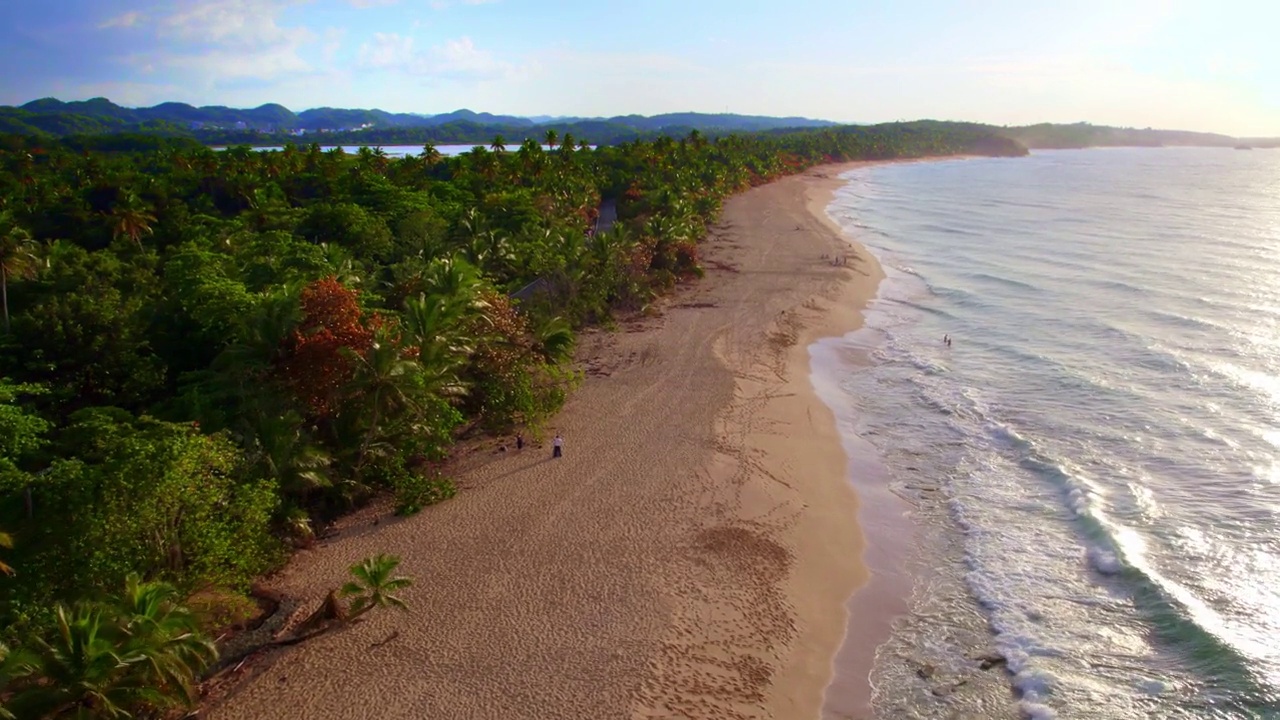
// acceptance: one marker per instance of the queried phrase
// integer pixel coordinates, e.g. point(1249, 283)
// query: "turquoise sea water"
point(1094, 464)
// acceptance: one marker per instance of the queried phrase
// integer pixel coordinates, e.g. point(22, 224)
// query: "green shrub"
point(415, 491)
point(144, 497)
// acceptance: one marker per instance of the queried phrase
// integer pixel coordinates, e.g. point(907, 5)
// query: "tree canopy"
point(205, 353)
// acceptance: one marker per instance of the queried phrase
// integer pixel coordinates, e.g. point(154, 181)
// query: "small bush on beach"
point(415, 491)
point(374, 585)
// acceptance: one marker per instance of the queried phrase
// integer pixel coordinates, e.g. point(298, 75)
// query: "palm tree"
point(131, 219)
point(552, 136)
point(106, 661)
point(482, 162)
point(14, 665)
point(499, 144)
point(374, 585)
point(165, 635)
point(430, 155)
point(371, 159)
point(435, 325)
point(82, 673)
point(341, 265)
point(258, 338)
point(555, 340)
point(385, 385)
point(483, 247)
point(279, 449)
point(17, 257)
point(6, 541)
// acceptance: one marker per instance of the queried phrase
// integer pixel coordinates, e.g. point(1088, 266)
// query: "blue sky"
point(1196, 65)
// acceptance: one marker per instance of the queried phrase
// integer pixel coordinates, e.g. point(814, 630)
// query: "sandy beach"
point(690, 556)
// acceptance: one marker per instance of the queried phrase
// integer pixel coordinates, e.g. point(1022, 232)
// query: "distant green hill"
point(273, 124)
point(1080, 135)
point(719, 121)
point(48, 115)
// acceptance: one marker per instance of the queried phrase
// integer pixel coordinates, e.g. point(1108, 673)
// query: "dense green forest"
point(206, 355)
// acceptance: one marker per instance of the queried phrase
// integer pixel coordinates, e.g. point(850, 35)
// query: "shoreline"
point(826, 352)
point(782, 454)
point(836, 654)
point(883, 518)
point(699, 563)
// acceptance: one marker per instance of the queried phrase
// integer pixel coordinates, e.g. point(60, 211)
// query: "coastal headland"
point(691, 554)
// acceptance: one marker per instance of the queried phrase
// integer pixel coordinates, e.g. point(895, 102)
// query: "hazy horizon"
point(1151, 63)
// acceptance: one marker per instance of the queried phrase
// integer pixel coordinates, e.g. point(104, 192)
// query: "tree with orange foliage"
point(316, 366)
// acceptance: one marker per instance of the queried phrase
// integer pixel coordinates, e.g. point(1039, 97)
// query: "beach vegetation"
point(208, 355)
point(417, 490)
point(18, 258)
point(6, 541)
point(374, 584)
point(139, 651)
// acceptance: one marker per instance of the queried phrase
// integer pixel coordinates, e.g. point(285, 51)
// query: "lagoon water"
point(1094, 464)
point(391, 151)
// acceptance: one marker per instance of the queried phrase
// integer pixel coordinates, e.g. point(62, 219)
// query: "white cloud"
point(127, 20)
point(386, 50)
point(216, 42)
point(444, 4)
point(216, 66)
point(333, 42)
point(461, 59)
point(456, 59)
point(435, 4)
point(233, 23)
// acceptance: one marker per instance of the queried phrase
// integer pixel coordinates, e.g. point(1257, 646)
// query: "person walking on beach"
point(519, 441)
point(556, 446)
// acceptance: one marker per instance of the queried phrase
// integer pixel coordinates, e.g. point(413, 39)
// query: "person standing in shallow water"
point(556, 446)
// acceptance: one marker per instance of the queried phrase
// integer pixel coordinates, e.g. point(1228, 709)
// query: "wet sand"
point(690, 556)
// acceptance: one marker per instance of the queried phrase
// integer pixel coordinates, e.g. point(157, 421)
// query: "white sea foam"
point(1104, 561)
point(1036, 711)
point(1090, 408)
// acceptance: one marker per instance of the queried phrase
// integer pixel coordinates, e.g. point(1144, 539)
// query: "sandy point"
point(689, 556)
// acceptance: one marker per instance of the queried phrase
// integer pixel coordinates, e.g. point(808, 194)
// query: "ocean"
point(1093, 465)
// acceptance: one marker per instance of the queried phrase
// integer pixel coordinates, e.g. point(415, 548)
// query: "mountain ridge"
point(273, 117)
point(273, 124)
